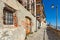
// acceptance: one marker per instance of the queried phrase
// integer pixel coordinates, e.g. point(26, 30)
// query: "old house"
point(18, 15)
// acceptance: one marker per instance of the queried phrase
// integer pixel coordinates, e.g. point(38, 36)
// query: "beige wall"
point(1, 13)
point(20, 11)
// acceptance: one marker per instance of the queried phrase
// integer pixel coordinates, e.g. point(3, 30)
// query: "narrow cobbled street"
point(43, 34)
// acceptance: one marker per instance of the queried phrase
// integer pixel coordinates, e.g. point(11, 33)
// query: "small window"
point(20, 1)
point(7, 17)
point(37, 14)
point(26, 7)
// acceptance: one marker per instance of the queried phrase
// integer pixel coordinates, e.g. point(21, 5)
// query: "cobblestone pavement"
point(43, 34)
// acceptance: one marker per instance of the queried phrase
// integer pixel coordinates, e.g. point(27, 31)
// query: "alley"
point(43, 34)
point(19, 18)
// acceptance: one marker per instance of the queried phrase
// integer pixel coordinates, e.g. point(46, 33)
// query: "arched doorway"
point(28, 24)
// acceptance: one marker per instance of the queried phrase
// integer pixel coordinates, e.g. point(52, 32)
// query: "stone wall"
point(1, 13)
point(21, 12)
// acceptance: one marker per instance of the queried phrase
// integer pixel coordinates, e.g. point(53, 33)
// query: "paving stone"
point(43, 34)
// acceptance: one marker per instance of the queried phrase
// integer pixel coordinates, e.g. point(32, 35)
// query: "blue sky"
point(51, 13)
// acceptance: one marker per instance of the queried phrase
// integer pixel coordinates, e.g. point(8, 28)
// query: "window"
point(7, 16)
point(20, 1)
point(26, 7)
point(38, 2)
point(37, 14)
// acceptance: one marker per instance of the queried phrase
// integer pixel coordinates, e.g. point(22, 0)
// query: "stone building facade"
point(12, 17)
point(30, 5)
point(41, 17)
point(16, 15)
